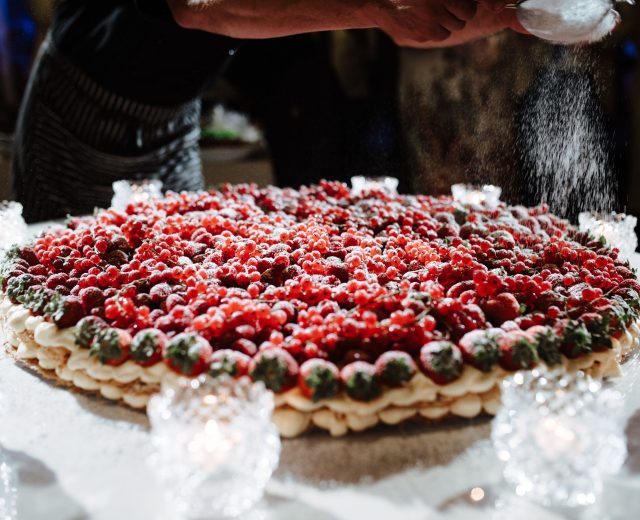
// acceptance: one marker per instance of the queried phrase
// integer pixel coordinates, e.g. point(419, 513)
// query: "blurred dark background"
point(334, 105)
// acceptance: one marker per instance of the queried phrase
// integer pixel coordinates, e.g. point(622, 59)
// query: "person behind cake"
point(115, 91)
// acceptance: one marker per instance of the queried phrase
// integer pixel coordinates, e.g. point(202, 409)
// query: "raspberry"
point(91, 297)
point(501, 308)
point(160, 292)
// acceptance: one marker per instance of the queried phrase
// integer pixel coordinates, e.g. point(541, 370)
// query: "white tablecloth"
point(68, 456)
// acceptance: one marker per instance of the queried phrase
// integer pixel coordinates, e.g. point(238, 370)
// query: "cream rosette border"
point(52, 352)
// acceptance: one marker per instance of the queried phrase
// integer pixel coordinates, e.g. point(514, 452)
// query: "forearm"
point(270, 18)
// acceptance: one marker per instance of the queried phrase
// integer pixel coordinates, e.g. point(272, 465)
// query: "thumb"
point(495, 5)
point(507, 14)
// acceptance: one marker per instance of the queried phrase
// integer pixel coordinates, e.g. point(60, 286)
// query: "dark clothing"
point(135, 49)
point(113, 95)
point(75, 138)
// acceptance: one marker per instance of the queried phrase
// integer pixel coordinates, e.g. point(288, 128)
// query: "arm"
point(409, 22)
point(268, 18)
point(491, 17)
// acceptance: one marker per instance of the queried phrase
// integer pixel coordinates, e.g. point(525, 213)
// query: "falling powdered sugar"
point(568, 21)
point(563, 142)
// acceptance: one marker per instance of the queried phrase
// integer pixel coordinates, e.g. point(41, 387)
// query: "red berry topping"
point(91, 298)
point(321, 274)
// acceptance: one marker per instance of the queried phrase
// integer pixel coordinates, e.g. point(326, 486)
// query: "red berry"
point(318, 379)
point(360, 381)
point(441, 361)
point(518, 351)
point(276, 368)
point(229, 362)
point(501, 308)
point(187, 354)
point(395, 368)
point(147, 346)
point(111, 346)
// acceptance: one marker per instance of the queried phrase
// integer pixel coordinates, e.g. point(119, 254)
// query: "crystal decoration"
point(617, 229)
point(361, 185)
point(8, 490)
point(215, 446)
point(476, 195)
point(13, 228)
point(559, 434)
point(135, 192)
point(8, 477)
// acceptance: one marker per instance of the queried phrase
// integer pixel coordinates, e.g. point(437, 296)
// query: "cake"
point(353, 309)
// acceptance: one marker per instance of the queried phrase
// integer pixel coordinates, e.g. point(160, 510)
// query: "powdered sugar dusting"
point(563, 141)
point(568, 21)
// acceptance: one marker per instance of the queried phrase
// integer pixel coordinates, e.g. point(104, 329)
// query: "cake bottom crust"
point(476, 393)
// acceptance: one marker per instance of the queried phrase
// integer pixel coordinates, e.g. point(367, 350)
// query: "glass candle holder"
point(8, 489)
point(13, 228)
point(135, 192)
point(8, 477)
point(617, 229)
point(215, 446)
point(558, 434)
point(361, 185)
point(476, 195)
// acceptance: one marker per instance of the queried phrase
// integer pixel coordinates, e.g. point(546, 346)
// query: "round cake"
point(354, 309)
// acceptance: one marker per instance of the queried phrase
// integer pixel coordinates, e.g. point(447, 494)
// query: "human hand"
point(441, 23)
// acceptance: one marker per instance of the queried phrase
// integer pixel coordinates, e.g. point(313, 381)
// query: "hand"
point(416, 23)
point(440, 23)
point(411, 23)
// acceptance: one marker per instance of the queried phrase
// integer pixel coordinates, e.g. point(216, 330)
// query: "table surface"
point(67, 456)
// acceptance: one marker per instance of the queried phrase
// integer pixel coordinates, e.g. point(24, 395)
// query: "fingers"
point(496, 5)
point(509, 19)
point(428, 35)
point(421, 31)
point(439, 34)
point(462, 9)
point(451, 22)
point(434, 33)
